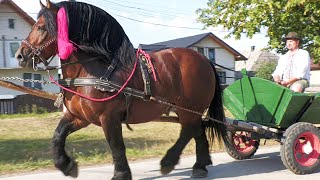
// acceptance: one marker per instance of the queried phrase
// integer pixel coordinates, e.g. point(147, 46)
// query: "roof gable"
point(19, 11)
point(189, 41)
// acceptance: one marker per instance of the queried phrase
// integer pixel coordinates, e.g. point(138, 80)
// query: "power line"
point(153, 5)
point(147, 10)
point(141, 11)
point(165, 25)
point(157, 24)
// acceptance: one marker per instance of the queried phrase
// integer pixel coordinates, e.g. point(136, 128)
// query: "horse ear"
point(42, 6)
point(51, 6)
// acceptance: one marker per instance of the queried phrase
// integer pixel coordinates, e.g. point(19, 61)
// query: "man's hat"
point(292, 35)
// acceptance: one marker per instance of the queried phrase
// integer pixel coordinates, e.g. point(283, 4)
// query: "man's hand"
point(276, 79)
point(284, 83)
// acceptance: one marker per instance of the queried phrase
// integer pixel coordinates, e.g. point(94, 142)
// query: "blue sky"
point(151, 21)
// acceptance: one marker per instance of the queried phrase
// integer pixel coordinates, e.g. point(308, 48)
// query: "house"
point(15, 26)
point(315, 74)
point(210, 46)
point(255, 58)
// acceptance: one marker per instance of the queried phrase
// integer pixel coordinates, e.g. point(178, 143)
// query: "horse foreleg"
point(113, 133)
point(173, 154)
point(203, 156)
point(62, 161)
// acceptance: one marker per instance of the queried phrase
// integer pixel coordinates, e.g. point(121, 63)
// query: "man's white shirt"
point(300, 65)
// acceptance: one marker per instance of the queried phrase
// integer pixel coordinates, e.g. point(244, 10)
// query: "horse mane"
point(94, 31)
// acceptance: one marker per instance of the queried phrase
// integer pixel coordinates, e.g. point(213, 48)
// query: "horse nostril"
point(19, 57)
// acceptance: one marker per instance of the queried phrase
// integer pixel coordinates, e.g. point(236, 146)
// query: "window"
point(11, 23)
point(13, 48)
point(222, 77)
point(212, 56)
point(34, 85)
point(37, 85)
point(27, 76)
point(200, 50)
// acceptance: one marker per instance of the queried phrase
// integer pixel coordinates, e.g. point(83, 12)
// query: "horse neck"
point(76, 67)
point(91, 67)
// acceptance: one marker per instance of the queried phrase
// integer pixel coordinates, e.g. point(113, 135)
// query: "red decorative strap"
point(140, 51)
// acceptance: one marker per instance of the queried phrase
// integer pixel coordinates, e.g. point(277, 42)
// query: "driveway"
point(265, 165)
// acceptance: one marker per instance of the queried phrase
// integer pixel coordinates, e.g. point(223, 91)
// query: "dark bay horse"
point(184, 78)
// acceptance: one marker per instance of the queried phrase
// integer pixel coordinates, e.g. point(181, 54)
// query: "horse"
point(96, 43)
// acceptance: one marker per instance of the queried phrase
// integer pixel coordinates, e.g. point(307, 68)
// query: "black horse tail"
point(216, 111)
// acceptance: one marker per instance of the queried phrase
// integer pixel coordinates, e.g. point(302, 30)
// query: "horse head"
point(41, 43)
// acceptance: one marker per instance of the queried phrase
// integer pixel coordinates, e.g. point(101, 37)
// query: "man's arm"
point(290, 81)
point(278, 71)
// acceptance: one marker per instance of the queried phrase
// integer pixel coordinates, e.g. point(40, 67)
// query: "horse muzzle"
point(23, 58)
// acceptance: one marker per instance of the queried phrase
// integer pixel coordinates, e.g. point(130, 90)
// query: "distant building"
point(254, 60)
point(210, 46)
point(15, 26)
point(315, 75)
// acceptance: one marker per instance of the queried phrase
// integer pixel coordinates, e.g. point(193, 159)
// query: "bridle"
point(37, 51)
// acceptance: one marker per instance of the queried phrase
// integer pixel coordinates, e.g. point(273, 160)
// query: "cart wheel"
point(240, 146)
point(300, 148)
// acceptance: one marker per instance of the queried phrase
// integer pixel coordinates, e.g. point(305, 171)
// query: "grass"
point(25, 142)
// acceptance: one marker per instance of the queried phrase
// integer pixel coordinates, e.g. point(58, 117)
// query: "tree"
point(248, 17)
point(265, 69)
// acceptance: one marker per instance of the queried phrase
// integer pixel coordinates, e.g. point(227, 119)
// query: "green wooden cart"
point(265, 110)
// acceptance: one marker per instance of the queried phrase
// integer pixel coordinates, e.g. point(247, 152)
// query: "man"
point(293, 69)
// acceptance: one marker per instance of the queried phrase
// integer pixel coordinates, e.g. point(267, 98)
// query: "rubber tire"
point(287, 148)
point(236, 154)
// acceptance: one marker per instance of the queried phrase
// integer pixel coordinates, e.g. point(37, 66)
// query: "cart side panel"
point(264, 102)
point(295, 109)
point(312, 114)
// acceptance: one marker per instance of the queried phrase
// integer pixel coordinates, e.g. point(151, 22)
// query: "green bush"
point(265, 69)
point(31, 109)
point(38, 110)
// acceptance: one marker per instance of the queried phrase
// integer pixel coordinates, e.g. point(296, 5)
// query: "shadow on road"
point(259, 164)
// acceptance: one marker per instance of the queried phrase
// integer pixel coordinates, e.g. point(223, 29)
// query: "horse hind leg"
point(61, 160)
point(202, 156)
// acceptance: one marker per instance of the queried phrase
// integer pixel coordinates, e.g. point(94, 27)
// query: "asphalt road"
point(265, 165)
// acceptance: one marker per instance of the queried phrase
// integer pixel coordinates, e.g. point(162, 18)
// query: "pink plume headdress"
point(65, 46)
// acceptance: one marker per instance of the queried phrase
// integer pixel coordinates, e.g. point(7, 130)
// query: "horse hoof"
point(199, 173)
point(166, 170)
point(122, 176)
point(72, 169)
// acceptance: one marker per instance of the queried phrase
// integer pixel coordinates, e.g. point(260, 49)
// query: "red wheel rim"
point(242, 143)
point(307, 149)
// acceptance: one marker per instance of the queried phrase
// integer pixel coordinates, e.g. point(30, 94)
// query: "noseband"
point(37, 51)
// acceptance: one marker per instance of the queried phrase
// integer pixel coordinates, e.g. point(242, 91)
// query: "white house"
point(315, 75)
point(15, 26)
point(209, 45)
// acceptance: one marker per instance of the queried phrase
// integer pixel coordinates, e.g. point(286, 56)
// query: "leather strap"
point(145, 76)
point(109, 86)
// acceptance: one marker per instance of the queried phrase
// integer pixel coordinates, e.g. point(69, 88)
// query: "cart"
point(265, 110)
